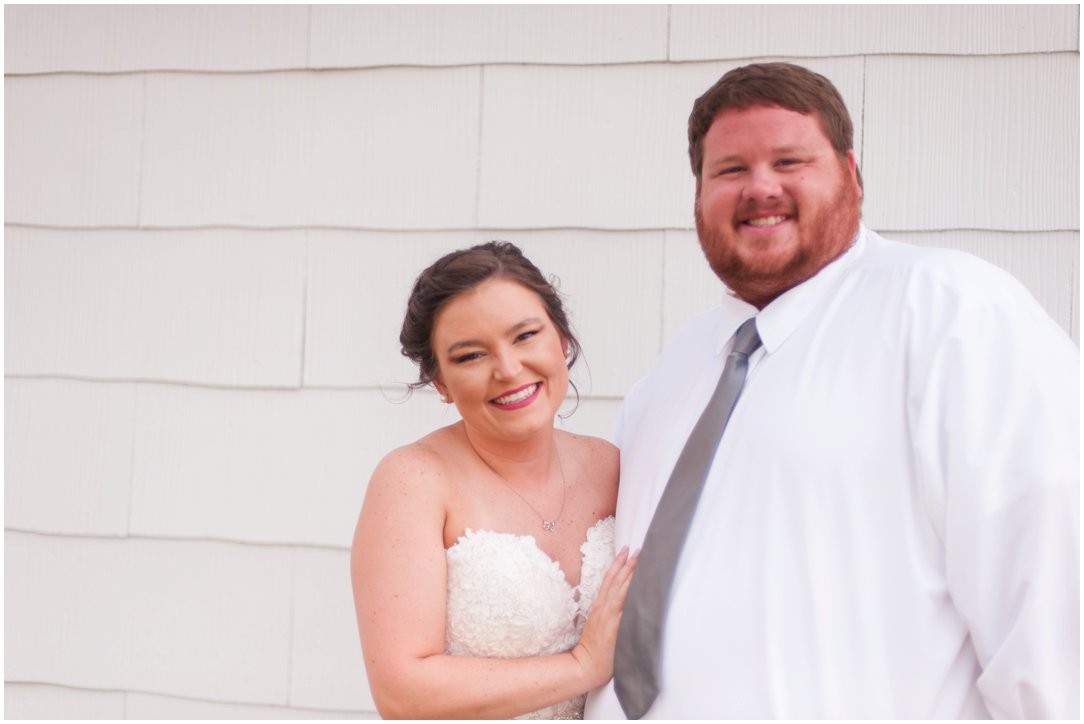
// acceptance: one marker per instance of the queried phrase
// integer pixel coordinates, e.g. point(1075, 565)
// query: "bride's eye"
point(527, 335)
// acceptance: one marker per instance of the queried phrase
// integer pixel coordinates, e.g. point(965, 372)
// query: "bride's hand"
point(595, 651)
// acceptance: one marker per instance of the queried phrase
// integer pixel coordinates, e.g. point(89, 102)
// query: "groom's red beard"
point(823, 234)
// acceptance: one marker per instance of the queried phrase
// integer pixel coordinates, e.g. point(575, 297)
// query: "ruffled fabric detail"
point(508, 599)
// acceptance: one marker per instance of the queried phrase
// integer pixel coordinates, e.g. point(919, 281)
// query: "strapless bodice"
point(508, 599)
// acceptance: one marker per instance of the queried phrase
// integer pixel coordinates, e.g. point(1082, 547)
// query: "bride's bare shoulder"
point(588, 445)
point(423, 462)
point(598, 458)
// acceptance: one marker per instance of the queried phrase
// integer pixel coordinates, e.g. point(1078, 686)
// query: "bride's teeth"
point(516, 396)
point(767, 221)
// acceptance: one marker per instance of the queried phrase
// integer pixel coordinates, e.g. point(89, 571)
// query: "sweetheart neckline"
point(533, 543)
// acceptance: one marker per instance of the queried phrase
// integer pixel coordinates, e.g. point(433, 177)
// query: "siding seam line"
point(304, 310)
point(209, 386)
point(291, 629)
point(179, 697)
point(308, 37)
point(285, 546)
point(669, 33)
point(481, 146)
point(403, 231)
point(660, 338)
point(865, 102)
point(131, 458)
point(142, 153)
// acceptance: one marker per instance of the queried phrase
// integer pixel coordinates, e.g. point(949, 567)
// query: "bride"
point(483, 547)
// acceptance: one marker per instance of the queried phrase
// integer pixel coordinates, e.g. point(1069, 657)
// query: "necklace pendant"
point(550, 526)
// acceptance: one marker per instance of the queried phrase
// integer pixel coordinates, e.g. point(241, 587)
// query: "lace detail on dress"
point(507, 598)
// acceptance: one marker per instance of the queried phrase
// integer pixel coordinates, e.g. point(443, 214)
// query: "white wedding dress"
point(508, 599)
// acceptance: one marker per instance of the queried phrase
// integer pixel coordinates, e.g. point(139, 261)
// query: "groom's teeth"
point(517, 396)
point(767, 221)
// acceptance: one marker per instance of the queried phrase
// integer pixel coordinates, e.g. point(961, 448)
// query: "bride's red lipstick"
point(519, 400)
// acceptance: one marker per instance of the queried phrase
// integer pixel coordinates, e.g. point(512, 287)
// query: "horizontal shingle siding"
point(213, 218)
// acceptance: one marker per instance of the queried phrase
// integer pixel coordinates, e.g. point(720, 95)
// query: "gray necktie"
point(636, 661)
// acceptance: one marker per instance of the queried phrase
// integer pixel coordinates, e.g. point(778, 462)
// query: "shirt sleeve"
point(996, 431)
point(627, 409)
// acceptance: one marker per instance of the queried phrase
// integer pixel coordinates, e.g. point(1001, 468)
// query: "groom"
point(889, 524)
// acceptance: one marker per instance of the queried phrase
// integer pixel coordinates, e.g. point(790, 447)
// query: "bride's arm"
point(399, 572)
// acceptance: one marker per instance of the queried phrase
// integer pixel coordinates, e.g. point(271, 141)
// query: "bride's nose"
point(506, 365)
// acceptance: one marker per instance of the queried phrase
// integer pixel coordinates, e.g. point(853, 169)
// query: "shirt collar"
point(785, 313)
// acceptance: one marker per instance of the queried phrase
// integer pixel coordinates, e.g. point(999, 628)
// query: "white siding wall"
point(214, 214)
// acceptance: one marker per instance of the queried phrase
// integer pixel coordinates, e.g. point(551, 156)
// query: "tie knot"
point(746, 339)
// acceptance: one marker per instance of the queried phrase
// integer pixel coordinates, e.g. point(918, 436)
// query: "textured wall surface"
point(214, 215)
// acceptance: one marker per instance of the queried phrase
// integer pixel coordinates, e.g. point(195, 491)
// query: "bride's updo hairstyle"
point(459, 272)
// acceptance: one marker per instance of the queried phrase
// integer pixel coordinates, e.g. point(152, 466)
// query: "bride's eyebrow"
point(529, 322)
point(463, 343)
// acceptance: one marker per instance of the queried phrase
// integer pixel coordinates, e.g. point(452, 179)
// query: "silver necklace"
point(550, 526)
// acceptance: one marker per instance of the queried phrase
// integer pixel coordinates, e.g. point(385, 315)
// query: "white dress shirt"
point(890, 528)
